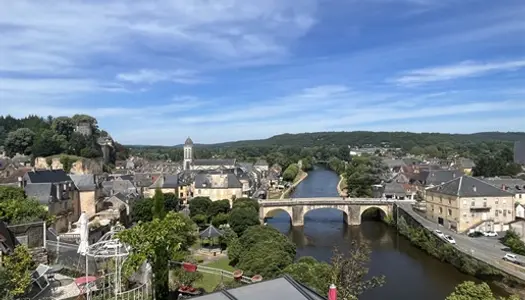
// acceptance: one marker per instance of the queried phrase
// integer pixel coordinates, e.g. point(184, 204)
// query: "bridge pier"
point(297, 216)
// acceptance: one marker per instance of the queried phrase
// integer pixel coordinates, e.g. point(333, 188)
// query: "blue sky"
point(155, 72)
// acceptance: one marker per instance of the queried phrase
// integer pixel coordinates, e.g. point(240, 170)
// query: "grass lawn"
point(210, 281)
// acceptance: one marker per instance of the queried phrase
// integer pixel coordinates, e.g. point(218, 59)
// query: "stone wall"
point(31, 234)
point(81, 166)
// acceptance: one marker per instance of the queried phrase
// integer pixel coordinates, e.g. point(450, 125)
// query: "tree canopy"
point(469, 290)
point(15, 274)
point(158, 242)
point(49, 136)
point(16, 208)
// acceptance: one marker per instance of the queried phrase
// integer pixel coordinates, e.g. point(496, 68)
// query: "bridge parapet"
point(322, 201)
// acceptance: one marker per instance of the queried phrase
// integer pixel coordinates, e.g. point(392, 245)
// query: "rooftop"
point(467, 186)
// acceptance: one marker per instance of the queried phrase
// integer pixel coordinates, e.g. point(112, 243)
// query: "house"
point(394, 190)
point(430, 178)
point(280, 288)
point(394, 165)
point(465, 165)
point(114, 208)
point(467, 203)
point(123, 186)
point(166, 183)
point(513, 185)
point(84, 128)
point(262, 166)
point(55, 190)
point(217, 186)
point(90, 192)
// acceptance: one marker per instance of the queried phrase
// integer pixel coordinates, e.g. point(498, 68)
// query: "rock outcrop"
point(80, 166)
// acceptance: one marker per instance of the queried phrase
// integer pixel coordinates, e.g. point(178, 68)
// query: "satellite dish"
point(3, 164)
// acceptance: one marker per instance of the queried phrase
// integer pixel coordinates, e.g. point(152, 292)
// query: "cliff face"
point(81, 166)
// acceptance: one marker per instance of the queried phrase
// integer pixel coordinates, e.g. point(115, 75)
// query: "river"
point(410, 273)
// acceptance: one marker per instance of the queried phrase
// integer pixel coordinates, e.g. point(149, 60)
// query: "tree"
point(11, 192)
point(159, 205)
point(15, 208)
point(15, 275)
point(46, 144)
point(158, 242)
point(291, 172)
point(246, 202)
point(19, 141)
point(63, 126)
point(217, 207)
point(200, 220)
point(309, 271)
point(142, 210)
point(243, 217)
point(199, 206)
point(267, 259)
point(219, 219)
point(171, 201)
point(469, 290)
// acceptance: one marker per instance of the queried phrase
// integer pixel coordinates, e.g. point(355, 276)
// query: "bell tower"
point(188, 154)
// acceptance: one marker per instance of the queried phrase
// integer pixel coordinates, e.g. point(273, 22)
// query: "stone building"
point(218, 186)
point(190, 163)
point(467, 203)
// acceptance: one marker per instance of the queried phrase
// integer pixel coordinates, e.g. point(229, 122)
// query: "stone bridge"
point(352, 208)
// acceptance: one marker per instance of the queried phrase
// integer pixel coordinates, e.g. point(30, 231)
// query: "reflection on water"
point(410, 273)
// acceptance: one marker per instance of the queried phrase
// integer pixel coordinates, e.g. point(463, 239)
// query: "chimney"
point(332, 292)
point(474, 188)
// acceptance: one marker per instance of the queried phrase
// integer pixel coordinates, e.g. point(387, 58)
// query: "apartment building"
point(467, 203)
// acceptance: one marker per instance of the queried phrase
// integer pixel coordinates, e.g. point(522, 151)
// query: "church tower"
point(188, 154)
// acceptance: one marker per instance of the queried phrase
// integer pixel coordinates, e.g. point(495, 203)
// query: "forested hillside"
point(37, 136)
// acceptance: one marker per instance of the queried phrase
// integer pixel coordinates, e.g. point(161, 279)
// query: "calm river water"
point(410, 273)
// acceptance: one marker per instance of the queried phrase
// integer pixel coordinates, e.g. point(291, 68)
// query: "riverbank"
point(341, 186)
point(298, 179)
point(470, 263)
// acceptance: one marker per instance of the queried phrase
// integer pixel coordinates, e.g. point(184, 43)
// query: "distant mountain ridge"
point(360, 138)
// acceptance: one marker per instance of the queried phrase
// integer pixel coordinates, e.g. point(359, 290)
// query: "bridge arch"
point(309, 209)
point(373, 211)
point(272, 212)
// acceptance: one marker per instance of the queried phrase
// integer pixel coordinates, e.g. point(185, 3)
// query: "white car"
point(490, 233)
point(449, 239)
point(439, 233)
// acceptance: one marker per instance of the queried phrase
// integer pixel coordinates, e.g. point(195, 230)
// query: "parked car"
point(449, 239)
point(475, 234)
point(490, 233)
point(439, 233)
point(511, 258)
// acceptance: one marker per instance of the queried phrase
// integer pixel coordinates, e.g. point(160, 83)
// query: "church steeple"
point(188, 154)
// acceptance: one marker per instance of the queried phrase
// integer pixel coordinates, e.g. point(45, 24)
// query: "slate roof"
point(188, 142)
point(213, 162)
point(207, 181)
point(394, 188)
point(210, 232)
point(47, 176)
point(467, 186)
point(280, 288)
point(437, 177)
point(514, 185)
point(392, 163)
point(466, 163)
point(84, 182)
point(43, 192)
point(166, 181)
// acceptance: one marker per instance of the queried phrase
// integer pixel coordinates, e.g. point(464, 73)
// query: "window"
point(465, 215)
point(497, 201)
point(199, 191)
point(450, 212)
point(473, 203)
point(441, 210)
point(504, 201)
point(504, 213)
point(432, 207)
point(497, 212)
point(449, 201)
point(485, 204)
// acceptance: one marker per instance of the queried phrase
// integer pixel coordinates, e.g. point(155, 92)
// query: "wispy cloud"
point(153, 76)
point(458, 71)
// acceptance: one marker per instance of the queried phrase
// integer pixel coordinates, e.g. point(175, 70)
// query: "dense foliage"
point(469, 290)
point(349, 272)
point(144, 209)
point(361, 173)
point(37, 136)
point(244, 214)
point(291, 172)
point(514, 242)
point(158, 242)
point(500, 163)
point(15, 273)
point(16, 208)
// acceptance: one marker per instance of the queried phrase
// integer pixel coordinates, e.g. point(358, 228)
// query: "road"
point(485, 249)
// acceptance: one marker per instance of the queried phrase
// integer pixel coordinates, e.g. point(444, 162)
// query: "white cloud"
point(457, 71)
point(153, 76)
point(46, 36)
